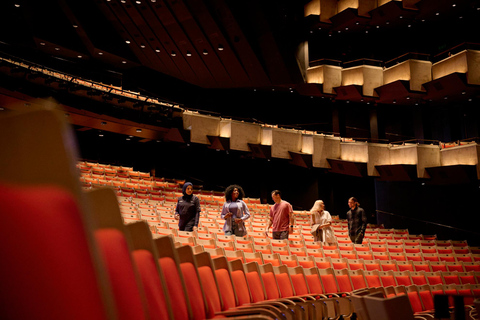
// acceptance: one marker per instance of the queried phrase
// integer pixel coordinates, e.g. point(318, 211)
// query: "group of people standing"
point(281, 220)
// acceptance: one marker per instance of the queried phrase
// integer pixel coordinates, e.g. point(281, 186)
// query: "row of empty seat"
point(78, 239)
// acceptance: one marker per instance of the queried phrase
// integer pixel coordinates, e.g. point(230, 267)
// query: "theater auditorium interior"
point(107, 107)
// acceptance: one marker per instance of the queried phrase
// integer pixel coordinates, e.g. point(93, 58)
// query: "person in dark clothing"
point(187, 210)
point(357, 221)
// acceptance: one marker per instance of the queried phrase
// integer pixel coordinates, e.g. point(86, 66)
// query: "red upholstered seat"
point(194, 290)
point(47, 266)
point(175, 291)
point(114, 249)
point(149, 275)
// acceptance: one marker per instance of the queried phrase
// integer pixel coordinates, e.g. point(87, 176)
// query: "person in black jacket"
point(357, 221)
point(187, 210)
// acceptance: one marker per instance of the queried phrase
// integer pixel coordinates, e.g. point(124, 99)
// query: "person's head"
point(276, 196)
point(318, 206)
point(234, 192)
point(353, 203)
point(187, 189)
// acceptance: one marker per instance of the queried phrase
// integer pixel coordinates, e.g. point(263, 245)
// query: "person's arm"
point(269, 223)
point(364, 221)
point(328, 219)
point(225, 214)
point(246, 212)
point(197, 215)
point(363, 225)
point(177, 212)
point(291, 218)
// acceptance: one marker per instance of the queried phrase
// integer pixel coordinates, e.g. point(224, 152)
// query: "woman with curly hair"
point(235, 211)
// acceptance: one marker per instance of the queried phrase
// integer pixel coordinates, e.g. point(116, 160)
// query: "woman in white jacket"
point(321, 222)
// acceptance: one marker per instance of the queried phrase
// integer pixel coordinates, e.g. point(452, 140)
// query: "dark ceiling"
point(234, 58)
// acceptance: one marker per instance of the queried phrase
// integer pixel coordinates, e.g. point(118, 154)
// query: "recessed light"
point(57, 49)
point(103, 123)
point(42, 43)
point(124, 62)
point(139, 130)
point(142, 45)
point(173, 54)
point(220, 47)
point(205, 52)
point(17, 5)
point(100, 53)
point(189, 54)
point(79, 56)
point(127, 41)
point(157, 49)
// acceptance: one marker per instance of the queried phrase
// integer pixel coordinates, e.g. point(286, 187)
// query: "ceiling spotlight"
point(100, 53)
point(437, 14)
point(394, 101)
point(154, 1)
point(139, 130)
point(17, 5)
point(220, 47)
point(445, 98)
point(124, 62)
point(42, 43)
point(138, 2)
point(454, 5)
point(408, 98)
point(157, 49)
point(142, 45)
point(57, 49)
point(127, 41)
point(123, 1)
point(205, 52)
point(189, 54)
point(128, 139)
point(100, 135)
point(79, 57)
point(173, 54)
point(75, 26)
point(401, 17)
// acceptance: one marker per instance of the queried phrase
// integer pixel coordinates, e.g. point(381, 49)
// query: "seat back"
point(41, 193)
point(394, 308)
point(115, 249)
point(145, 258)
